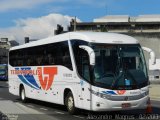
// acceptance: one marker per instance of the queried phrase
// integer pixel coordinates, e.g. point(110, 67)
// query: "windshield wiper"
point(117, 79)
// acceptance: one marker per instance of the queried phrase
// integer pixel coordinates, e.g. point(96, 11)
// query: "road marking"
point(59, 112)
point(26, 109)
point(30, 106)
point(44, 109)
point(78, 116)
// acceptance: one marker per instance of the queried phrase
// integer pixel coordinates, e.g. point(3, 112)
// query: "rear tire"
point(23, 95)
point(69, 101)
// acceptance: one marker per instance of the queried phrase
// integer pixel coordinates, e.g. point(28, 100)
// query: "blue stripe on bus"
point(32, 84)
point(24, 81)
point(30, 78)
point(109, 92)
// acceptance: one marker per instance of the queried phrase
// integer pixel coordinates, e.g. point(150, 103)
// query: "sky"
point(38, 18)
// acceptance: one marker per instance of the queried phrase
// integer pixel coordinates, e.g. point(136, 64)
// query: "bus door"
point(82, 65)
point(85, 84)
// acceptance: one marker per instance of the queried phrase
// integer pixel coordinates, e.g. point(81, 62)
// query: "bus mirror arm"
point(152, 54)
point(90, 52)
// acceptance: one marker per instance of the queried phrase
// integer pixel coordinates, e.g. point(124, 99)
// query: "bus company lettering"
point(45, 76)
point(24, 72)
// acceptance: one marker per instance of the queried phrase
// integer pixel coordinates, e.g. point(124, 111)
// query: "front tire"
point(70, 104)
point(23, 95)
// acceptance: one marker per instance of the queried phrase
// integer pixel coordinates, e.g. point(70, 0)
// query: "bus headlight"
point(101, 95)
point(145, 93)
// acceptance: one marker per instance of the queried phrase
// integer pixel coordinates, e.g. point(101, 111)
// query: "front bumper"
point(100, 104)
point(3, 78)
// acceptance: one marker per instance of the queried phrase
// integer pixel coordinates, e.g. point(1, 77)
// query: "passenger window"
point(49, 54)
point(81, 59)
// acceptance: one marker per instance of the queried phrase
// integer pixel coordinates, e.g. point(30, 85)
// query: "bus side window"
point(39, 60)
point(66, 59)
point(81, 59)
point(85, 69)
point(50, 59)
point(28, 62)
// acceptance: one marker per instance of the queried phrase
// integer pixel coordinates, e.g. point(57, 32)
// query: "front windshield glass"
point(2, 67)
point(2, 72)
point(119, 66)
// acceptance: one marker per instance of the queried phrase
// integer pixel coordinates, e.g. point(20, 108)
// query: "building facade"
point(4, 48)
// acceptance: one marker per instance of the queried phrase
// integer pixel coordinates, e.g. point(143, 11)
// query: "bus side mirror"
point(90, 52)
point(152, 55)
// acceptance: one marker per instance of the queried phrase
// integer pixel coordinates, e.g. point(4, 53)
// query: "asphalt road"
point(12, 108)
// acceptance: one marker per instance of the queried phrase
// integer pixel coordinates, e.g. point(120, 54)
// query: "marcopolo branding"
point(121, 92)
point(45, 76)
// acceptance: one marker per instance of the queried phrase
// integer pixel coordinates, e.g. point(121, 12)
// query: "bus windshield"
point(2, 72)
point(119, 67)
point(2, 67)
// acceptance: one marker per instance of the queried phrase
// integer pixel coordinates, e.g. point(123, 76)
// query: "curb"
point(155, 99)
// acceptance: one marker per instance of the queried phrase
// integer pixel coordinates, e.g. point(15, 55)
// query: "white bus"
point(88, 70)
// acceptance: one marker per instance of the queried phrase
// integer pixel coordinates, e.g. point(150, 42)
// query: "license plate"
point(126, 105)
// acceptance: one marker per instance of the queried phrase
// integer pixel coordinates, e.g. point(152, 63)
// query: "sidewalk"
point(154, 92)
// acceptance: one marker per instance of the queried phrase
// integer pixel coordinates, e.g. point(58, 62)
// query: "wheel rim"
point(70, 103)
point(22, 94)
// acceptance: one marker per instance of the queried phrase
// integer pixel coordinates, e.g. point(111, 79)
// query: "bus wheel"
point(23, 95)
point(70, 103)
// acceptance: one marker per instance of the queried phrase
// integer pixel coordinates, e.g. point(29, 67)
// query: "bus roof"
point(94, 37)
